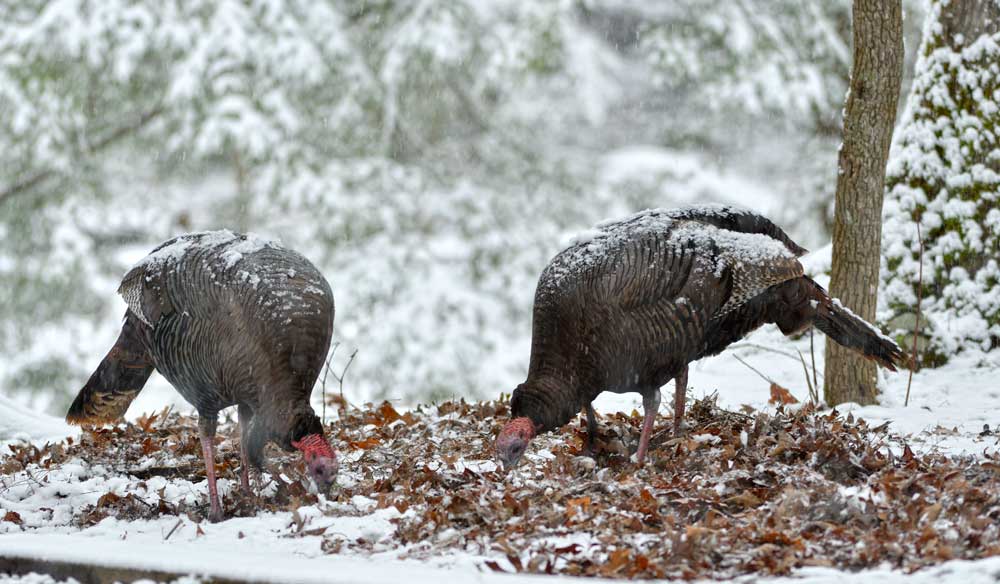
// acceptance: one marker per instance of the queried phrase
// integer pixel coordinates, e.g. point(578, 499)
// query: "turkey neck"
point(548, 400)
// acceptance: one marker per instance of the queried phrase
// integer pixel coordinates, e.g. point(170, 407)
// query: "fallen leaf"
point(108, 499)
point(907, 454)
point(617, 560)
point(744, 499)
point(146, 421)
point(366, 444)
point(573, 548)
point(386, 414)
point(781, 396)
point(575, 505)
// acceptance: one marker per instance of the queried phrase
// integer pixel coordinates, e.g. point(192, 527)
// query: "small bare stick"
point(916, 323)
point(762, 348)
point(812, 356)
point(326, 371)
point(812, 391)
point(343, 374)
point(751, 368)
point(173, 529)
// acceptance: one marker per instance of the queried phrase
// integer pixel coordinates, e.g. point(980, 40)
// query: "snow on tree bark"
point(945, 174)
point(868, 121)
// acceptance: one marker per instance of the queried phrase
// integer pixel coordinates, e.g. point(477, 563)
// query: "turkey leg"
point(206, 430)
point(650, 405)
point(680, 395)
point(245, 473)
point(243, 414)
point(591, 431)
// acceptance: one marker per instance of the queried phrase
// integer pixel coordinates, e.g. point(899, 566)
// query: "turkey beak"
point(510, 449)
point(323, 470)
point(513, 440)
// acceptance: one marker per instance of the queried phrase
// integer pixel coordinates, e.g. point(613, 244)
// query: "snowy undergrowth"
point(421, 485)
point(944, 174)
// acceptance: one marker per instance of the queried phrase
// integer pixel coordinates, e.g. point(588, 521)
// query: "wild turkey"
point(629, 306)
point(227, 319)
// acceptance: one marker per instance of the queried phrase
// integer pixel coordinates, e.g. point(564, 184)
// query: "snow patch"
point(235, 247)
point(678, 230)
point(20, 423)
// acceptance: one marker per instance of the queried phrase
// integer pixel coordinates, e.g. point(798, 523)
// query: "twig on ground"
point(173, 529)
point(343, 374)
point(813, 396)
point(328, 372)
point(812, 356)
point(751, 368)
point(916, 324)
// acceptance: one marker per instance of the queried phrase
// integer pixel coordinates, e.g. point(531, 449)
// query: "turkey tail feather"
point(741, 221)
point(852, 331)
point(117, 380)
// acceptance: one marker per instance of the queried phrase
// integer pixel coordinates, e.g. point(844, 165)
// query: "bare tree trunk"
point(869, 117)
point(969, 18)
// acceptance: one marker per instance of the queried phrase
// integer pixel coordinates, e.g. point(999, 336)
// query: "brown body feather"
point(225, 328)
point(628, 309)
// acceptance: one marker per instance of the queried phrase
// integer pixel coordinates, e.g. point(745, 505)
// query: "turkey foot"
point(680, 395)
point(245, 475)
point(589, 448)
point(206, 430)
point(244, 415)
point(650, 404)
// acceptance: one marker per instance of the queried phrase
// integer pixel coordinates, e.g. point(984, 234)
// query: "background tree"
point(945, 176)
point(876, 78)
point(449, 144)
point(775, 67)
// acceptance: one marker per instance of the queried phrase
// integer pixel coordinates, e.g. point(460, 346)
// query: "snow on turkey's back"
point(173, 252)
point(589, 247)
point(251, 244)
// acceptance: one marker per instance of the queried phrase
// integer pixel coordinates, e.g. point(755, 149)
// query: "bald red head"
point(320, 459)
point(513, 440)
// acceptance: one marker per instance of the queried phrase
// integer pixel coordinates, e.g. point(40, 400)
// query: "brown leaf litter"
point(738, 493)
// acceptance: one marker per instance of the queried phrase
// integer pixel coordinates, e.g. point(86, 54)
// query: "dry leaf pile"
point(738, 493)
point(162, 444)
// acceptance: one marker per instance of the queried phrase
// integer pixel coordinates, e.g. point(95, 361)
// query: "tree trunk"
point(969, 18)
point(869, 117)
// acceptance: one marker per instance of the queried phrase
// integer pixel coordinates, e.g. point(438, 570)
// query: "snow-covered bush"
point(944, 172)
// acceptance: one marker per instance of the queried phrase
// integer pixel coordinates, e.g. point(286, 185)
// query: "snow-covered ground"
point(19, 423)
point(948, 406)
point(947, 413)
point(219, 557)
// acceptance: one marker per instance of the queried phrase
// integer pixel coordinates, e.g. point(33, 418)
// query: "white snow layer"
point(949, 407)
point(20, 423)
point(236, 247)
point(735, 248)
